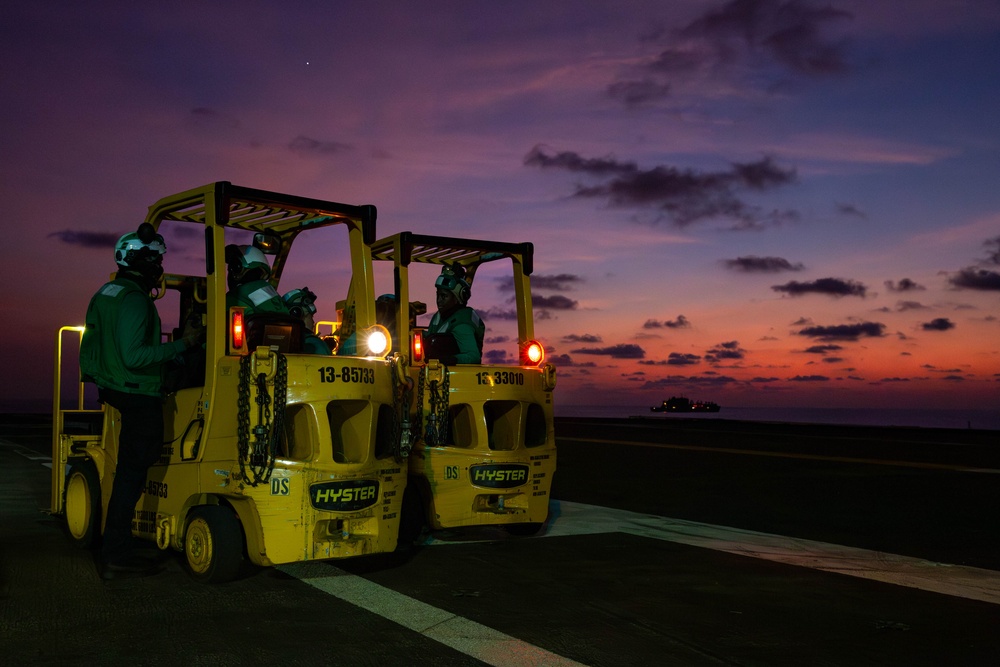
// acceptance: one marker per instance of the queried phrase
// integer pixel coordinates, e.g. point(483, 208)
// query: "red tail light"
point(236, 328)
point(532, 353)
point(418, 347)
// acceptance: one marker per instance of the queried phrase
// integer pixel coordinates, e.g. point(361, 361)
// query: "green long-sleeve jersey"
point(468, 329)
point(121, 347)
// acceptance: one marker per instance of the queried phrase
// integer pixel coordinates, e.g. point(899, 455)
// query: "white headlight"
point(378, 342)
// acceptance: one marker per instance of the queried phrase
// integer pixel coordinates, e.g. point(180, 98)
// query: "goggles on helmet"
point(302, 298)
point(143, 247)
point(446, 282)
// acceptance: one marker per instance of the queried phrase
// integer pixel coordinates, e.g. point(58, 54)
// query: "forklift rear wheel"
point(213, 544)
point(411, 519)
point(82, 503)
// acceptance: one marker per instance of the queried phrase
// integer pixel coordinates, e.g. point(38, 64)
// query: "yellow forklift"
point(481, 435)
point(269, 453)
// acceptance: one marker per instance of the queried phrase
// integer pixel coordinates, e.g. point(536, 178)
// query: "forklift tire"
point(82, 503)
point(213, 544)
point(411, 519)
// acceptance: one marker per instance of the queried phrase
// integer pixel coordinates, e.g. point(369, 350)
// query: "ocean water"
point(976, 419)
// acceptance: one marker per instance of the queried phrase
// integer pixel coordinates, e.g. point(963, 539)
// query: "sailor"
point(302, 304)
point(121, 352)
point(247, 276)
point(455, 333)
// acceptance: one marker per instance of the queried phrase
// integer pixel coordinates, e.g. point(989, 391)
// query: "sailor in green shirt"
point(121, 351)
point(247, 276)
point(302, 304)
point(455, 333)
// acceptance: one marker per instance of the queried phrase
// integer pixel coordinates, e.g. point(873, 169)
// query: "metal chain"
point(268, 433)
point(402, 393)
point(437, 420)
point(278, 427)
point(418, 422)
point(243, 415)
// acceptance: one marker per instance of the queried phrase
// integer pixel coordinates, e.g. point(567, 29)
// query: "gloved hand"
point(194, 332)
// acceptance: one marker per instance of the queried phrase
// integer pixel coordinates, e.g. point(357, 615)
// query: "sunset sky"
point(758, 202)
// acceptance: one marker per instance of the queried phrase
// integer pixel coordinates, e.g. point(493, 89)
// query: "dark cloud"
point(837, 287)
point(680, 323)
point(845, 332)
point(684, 196)
point(904, 285)
point(213, 119)
point(689, 382)
point(496, 357)
point(725, 351)
point(306, 146)
point(674, 359)
point(637, 93)
point(562, 281)
point(973, 278)
point(501, 313)
point(678, 359)
point(788, 32)
point(582, 338)
point(851, 210)
point(555, 302)
point(755, 264)
point(104, 240)
point(938, 324)
point(763, 37)
point(571, 161)
point(903, 306)
point(566, 360)
point(496, 340)
point(993, 249)
point(622, 351)
point(823, 349)
point(809, 378)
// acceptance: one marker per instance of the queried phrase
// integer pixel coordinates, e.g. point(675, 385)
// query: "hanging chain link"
point(437, 419)
point(257, 458)
point(418, 421)
point(243, 415)
point(402, 397)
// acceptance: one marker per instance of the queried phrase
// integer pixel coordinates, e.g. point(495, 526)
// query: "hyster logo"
point(499, 476)
point(348, 496)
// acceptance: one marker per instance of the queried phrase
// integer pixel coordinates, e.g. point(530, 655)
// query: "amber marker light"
point(236, 328)
point(418, 347)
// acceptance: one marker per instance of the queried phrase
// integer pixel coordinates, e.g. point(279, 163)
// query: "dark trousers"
point(140, 444)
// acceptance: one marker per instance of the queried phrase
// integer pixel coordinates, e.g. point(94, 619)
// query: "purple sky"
point(758, 202)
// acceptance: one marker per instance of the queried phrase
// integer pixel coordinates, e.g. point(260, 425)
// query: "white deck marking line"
point(791, 455)
point(962, 581)
point(473, 639)
point(29, 454)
